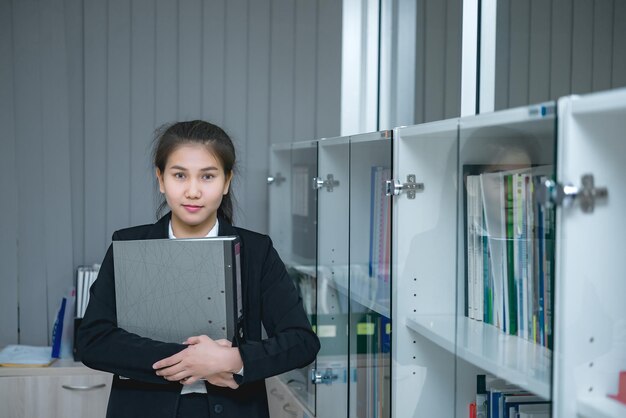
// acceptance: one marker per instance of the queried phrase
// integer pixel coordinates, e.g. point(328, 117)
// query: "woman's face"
point(193, 183)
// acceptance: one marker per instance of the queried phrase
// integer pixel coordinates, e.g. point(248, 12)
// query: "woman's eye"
point(179, 175)
point(208, 177)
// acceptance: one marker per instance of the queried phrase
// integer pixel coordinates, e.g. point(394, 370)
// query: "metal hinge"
point(327, 377)
point(277, 179)
point(550, 194)
point(411, 187)
point(329, 183)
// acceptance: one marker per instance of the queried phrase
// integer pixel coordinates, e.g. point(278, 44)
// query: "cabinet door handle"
point(84, 388)
point(275, 392)
point(287, 409)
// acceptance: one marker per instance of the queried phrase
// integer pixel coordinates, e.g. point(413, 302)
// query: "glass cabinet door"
point(333, 188)
point(590, 344)
point(505, 280)
point(293, 209)
point(370, 276)
point(424, 269)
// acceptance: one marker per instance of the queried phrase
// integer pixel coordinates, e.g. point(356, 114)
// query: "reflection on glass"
point(370, 278)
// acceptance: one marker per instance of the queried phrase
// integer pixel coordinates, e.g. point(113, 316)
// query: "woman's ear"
point(229, 177)
point(160, 179)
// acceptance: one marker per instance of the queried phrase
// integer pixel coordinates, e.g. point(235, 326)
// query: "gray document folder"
point(172, 289)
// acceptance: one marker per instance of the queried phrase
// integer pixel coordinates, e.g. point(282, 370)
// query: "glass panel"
point(505, 279)
point(370, 276)
point(552, 48)
point(332, 272)
point(424, 295)
point(300, 245)
point(590, 344)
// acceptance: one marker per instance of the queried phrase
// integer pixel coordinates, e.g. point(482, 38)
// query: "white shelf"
point(600, 407)
point(514, 359)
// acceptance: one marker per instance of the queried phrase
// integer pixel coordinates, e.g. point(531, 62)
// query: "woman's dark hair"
point(170, 136)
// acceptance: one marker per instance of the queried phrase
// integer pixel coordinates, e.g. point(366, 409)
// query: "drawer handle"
point(84, 388)
point(287, 409)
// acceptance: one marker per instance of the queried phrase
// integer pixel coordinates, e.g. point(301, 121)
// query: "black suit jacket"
point(270, 299)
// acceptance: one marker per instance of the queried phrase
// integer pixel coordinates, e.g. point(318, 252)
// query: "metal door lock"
point(277, 179)
point(549, 193)
point(411, 187)
point(329, 183)
point(327, 377)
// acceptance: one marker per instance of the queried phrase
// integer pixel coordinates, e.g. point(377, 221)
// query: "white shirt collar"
point(212, 233)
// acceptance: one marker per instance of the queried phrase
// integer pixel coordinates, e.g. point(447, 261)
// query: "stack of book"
point(509, 243)
point(496, 398)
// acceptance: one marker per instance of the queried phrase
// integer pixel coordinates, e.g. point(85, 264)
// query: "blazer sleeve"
point(291, 342)
point(104, 346)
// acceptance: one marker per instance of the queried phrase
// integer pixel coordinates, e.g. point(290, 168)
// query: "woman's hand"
point(204, 358)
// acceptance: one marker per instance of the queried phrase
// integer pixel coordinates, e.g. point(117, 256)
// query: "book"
point(172, 289)
point(16, 355)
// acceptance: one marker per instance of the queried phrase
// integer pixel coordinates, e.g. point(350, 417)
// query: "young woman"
point(202, 377)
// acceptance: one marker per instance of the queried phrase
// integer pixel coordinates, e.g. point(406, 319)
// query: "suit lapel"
point(160, 229)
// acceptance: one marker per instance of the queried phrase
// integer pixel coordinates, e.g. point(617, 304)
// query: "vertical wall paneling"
point(95, 65)
point(435, 53)
point(398, 59)
point(258, 140)
point(118, 116)
point(561, 48)
point(619, 45)
point(304, 70)
point(236, 100)
point(539, 58)
point(57, 231)
point(582, 47)
point(166, 62)
point(452, 105)
point(8, 184)
point(420, 61)
point(328, 69)
point(281, 71)
point(503, 54)
point(213, 42)
point(519, 44)
point(190, 59)
point(602, 44)
point(142, 102)
point(75, 85)
point(27, 53)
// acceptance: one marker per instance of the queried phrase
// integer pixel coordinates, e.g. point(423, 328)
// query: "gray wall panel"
point(602, 45)
point(8, 184)
point(236, 100)
point(142, 109)
point(118, 116)
point(95, 65)
point(540, 50)
point(582, 46)
point(561, 49)
point(27, 55)
point(57, 233)
point(519, 53)
point(435, 60)
point(328, 66)
point(618, 74)
point(214, 42)
point(258, 140)
point(190, 59)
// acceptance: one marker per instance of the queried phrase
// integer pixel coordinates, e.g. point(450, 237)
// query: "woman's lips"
point(192, 208)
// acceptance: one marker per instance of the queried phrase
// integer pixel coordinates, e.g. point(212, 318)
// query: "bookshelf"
point(563, 267)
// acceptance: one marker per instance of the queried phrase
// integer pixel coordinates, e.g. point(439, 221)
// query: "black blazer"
point(270, 299)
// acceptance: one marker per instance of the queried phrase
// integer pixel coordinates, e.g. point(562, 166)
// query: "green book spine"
point(510, 265)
